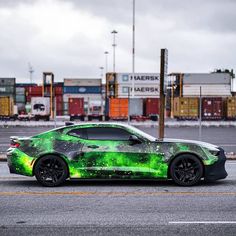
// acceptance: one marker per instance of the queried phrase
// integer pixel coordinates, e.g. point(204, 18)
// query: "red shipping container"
point(151, 106)
point(58, 90)
point(35, 91)
point(212, 108)
point(59, 103)
point(76, 106)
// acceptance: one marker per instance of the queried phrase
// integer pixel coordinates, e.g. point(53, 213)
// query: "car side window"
point(103, 133)
point(80, 133)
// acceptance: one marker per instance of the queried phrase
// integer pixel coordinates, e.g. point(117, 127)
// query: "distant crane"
point(31, 71)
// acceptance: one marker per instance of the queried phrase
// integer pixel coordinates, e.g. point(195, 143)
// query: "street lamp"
point(133, 49)
point(114, 32)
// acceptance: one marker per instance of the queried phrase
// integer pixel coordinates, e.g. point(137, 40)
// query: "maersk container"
point(7, 82)
point(82, 82)
point(139, 78)
point(151, 108)
point(140, 90)
point(212, 108)
point(34, 91)
point(136, 107)
point(82, 89)
point(207, 78)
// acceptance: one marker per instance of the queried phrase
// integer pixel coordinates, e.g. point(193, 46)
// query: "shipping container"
point(118, 108)
point(82, 89)
point(34, 91)
point(26, 85)
point(212, 108)
point(220, 90)
point(231, 108)
point(20, 91)
point(139, 78)
point(7, 90)
point(6, 107)
point(58, 90)
point(186, 108)
point(207, 78)
point(151, 108)
point(136, 107)
point(7, 82)
point(20, 98)
point(140, 90)
point(76, 108)
point(59, 104)
point(40, 108)
point(82, 82)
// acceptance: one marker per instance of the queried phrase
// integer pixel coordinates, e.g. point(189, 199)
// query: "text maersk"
point(145, 78)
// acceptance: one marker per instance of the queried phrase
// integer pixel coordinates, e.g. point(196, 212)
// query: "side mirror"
point(134, 139)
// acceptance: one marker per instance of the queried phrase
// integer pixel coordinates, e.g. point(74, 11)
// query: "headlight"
point(214, 152)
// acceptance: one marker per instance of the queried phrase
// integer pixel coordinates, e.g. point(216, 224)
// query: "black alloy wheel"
point(186, 170)
point(51, 171)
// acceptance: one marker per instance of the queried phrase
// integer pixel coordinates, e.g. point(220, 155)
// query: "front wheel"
point(186, 170)
point(51, 171)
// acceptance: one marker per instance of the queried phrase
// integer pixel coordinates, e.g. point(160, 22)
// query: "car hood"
point(202, 144)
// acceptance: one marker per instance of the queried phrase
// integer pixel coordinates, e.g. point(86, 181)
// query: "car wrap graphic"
point(148, 159)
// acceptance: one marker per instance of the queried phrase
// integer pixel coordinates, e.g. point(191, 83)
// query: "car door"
point(109, 153)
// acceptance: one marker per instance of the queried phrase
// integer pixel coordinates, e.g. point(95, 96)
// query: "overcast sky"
point(69, 37)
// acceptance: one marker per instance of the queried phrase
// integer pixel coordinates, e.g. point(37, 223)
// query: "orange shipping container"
point(231, 108)
point(118, 108)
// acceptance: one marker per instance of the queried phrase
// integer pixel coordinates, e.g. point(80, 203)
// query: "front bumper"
point(217, 170)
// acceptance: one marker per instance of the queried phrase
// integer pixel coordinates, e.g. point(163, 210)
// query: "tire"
point(51, 171)
point(186, 170)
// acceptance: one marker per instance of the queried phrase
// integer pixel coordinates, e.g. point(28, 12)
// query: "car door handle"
point(93, 146)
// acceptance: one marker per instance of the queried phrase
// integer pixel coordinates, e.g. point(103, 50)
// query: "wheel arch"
point(184, 153)
point(52, 154)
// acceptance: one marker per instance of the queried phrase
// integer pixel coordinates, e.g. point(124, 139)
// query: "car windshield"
point(145, 135)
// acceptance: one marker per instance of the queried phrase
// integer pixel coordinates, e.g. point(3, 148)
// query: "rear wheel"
point(51, 171)
point(186, 170)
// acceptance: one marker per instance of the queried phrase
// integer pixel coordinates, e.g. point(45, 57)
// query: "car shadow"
point(118, 183)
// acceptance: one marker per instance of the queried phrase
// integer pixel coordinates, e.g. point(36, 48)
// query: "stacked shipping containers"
point(215, 88)
point(146, 93)
point(83, 91)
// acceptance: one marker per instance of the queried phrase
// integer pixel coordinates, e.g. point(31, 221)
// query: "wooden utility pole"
point(163, 73)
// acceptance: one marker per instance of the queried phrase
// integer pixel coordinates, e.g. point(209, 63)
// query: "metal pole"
point(128, 105)
point(114, 32)
point(162, 95)
point(200, 114)
point(133, 51)
point(106, 61)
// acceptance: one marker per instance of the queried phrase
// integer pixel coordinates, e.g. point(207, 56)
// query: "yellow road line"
point(90, 193)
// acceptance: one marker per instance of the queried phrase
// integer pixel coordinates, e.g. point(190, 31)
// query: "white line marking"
point(202, 222)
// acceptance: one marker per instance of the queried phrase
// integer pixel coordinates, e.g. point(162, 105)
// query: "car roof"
point(108, 124)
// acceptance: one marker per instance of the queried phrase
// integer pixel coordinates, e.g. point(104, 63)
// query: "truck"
point(40, 108)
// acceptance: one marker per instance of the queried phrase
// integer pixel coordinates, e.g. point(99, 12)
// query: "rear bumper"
point(217, 170)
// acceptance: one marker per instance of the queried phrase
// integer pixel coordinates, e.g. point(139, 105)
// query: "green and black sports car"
point(112, 150)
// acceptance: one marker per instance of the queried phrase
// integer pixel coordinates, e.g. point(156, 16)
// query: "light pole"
point(133, 49)
point(114, 32)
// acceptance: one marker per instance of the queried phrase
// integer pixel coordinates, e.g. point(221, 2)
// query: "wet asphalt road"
point(117, 207)
point(221, 136)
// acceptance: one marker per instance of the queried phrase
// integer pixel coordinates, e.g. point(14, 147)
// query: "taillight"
point(14, 145)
